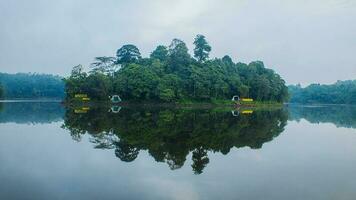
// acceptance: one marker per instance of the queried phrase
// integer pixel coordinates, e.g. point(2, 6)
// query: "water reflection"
point(340, 115)
point(298, 162)
point(31, 112)
point(170, 135)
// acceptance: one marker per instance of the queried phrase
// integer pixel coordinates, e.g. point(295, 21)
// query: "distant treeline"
point(1, 91)
point(341, 92)
point(28, 85)
point(171, 74)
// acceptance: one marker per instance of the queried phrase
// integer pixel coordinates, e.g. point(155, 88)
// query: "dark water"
point(51, 152)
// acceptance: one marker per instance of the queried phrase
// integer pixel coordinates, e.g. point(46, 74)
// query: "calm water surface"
point(51, 152)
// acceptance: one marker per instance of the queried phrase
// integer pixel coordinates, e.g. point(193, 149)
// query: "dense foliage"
point(170, 135)
point(26, 85)
point(1, 91)
point(341, 92)
point(170, 74)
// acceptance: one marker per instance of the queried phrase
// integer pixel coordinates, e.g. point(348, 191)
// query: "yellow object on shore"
point(86, 99)
point(246, 99)
point(247, 112)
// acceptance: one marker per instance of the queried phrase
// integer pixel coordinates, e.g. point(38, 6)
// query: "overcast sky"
point(303, 40)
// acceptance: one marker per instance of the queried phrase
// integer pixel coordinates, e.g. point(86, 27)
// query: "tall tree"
point(128, 53)
point(104, 64)
point(202, 48)
point(227, 60)
point(78, 72)
point(178, 55)
point(160, 53)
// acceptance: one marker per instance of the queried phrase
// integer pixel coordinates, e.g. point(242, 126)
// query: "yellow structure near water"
point(247, 112)
point(246, 100)
point(83, 97)
point(80, 96)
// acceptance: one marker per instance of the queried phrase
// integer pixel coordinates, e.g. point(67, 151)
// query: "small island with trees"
point(172, 75)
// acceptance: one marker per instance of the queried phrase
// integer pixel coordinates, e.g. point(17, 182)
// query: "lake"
point(48, 151)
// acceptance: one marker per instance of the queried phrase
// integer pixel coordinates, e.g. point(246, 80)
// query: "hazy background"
point(303, 40)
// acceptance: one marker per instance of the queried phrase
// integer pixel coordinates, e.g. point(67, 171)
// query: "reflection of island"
point(31, 112)
point(169, 135)
point(341, 116)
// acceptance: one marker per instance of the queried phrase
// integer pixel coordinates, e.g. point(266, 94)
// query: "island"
point(171, 75)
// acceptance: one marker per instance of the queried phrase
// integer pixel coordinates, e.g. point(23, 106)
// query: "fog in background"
point(304, 41)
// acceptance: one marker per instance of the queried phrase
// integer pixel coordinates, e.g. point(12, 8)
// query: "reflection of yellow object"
point(86, 99)
point(246, 100)
point(247, 112)
point(81, 96)
point(80, 111)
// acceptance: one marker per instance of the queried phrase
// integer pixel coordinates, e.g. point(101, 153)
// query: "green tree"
point(76, 82)
point(78, 72)
point(104, 64)
point(227, 59)
point(97, 86)
point(200, 160)
point(202, 48)
point(160, 53)
point(178, 55)
point(137, 82)
point(128, 53)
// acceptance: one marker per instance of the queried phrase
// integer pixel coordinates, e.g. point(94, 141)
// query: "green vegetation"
point(170, 74)
point(26, 85)
point(1, 91)
point(170, 135)
point(341, 92)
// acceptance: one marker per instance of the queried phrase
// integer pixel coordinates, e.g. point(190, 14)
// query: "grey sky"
point(303, 40)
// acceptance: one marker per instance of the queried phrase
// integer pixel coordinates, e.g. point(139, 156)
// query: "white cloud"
point(298, 39)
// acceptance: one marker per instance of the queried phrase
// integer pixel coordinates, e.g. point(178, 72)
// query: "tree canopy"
point(171, 75)
point(104, 65)
point(160, 53)
point(127, 54)
point(202, 48)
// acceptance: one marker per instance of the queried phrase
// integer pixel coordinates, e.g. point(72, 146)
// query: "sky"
point(305, 41)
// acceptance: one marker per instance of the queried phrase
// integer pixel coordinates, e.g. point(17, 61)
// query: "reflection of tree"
point(200, 160)
point(169, 135)
point(341, 116)
point(126, 152)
